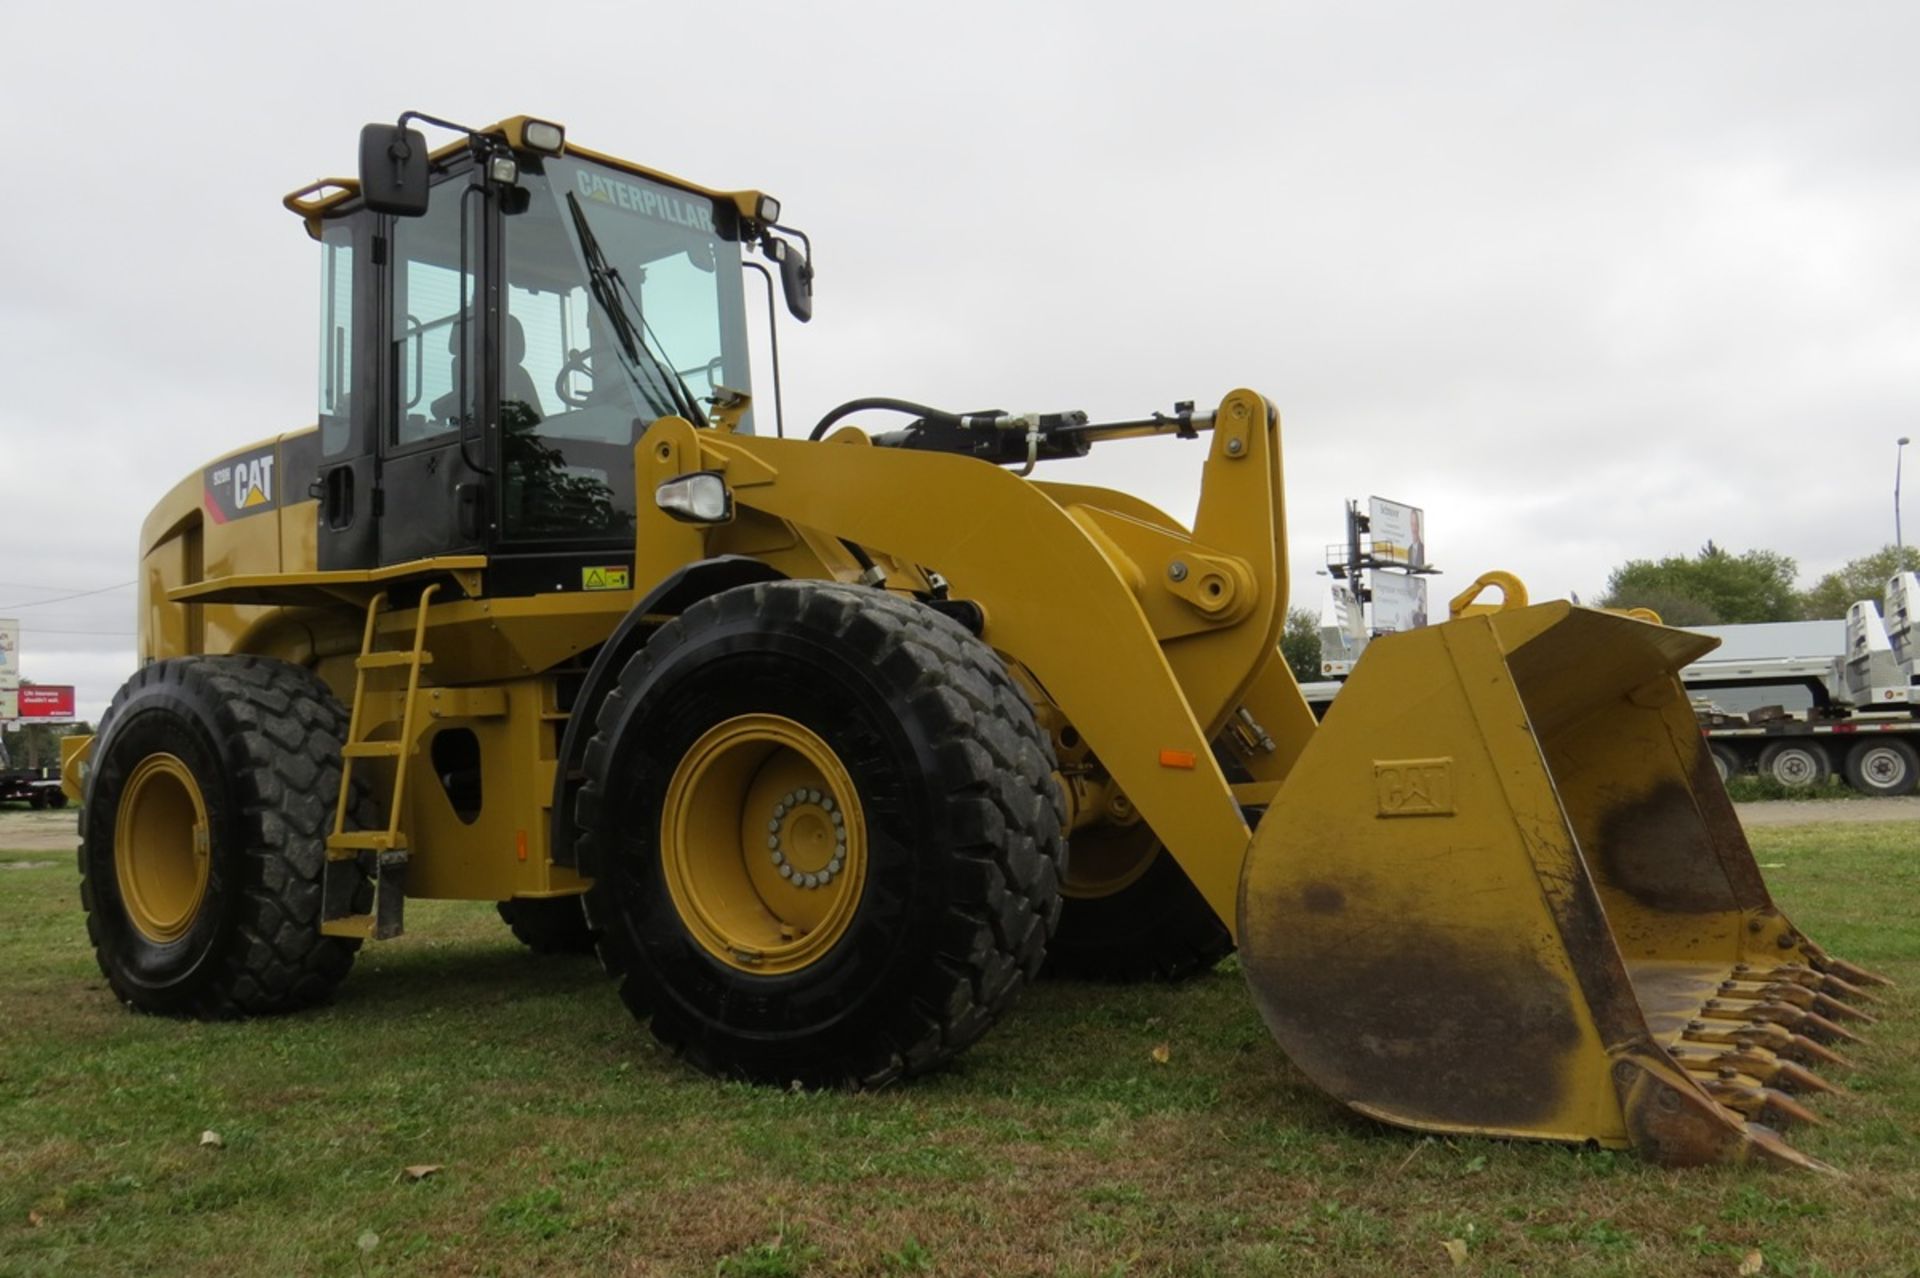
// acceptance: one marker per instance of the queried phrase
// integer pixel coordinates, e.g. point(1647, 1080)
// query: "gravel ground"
point(1811, 811)
point(24, 830)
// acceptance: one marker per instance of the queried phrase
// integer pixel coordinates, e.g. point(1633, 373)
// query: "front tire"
point(203, 837)
point(824, 835)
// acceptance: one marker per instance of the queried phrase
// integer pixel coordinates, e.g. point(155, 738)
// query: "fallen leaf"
point(420, 1171)
point(212, 1139)
point(35, 1219)
point(1161, 1053)
point(1752, 1263)
point(1456, 1249)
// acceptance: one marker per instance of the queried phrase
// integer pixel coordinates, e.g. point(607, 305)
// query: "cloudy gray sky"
point(1587, 281)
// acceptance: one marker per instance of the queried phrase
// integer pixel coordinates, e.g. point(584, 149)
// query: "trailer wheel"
point(203, 836)
point(37, 800)
point(1131, 914)
point(1798, 765)
point(56, 798)
point(1884, 767)
point(1726, 760)
point(824, 835)
point(550, 925)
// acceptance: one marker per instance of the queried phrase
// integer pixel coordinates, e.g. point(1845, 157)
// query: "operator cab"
point(500, 323)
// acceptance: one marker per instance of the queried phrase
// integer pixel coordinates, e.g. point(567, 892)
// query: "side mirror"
point(393, 170)
point(796, 280)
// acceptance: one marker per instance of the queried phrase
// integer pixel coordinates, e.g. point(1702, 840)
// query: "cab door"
point(437, 399)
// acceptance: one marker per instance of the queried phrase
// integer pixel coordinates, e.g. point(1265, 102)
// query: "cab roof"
point(314, 202)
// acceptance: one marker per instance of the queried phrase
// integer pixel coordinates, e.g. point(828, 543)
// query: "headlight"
point(548, 139)
point(697, 498)
point(769, 210)
point(504, 169)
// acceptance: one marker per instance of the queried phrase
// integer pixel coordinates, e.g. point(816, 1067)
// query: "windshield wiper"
point(608, 289)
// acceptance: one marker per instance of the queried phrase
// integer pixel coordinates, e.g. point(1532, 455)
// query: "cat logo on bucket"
point(242, 486)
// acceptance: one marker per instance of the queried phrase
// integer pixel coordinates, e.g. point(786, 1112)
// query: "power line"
point(79, 594)
point(110, 634)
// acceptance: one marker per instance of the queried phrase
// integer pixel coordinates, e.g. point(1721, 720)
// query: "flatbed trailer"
point(36, 787)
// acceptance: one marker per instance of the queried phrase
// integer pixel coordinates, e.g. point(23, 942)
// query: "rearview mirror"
point(393, 170)
point(796, 280)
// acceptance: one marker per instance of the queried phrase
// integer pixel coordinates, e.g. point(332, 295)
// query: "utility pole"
point(1899, 454)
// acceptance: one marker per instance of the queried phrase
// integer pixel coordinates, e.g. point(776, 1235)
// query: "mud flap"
point(1504, 892)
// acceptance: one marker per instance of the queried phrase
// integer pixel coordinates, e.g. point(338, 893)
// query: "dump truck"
point(796, 733)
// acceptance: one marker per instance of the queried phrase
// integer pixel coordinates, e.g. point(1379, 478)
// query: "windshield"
point(623, 305)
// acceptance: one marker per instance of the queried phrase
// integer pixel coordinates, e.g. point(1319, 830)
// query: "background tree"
point(1300, 644)
point(1862, 578)
point(1712, 586)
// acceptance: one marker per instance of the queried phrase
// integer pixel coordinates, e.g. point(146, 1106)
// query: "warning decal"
point(609, 578)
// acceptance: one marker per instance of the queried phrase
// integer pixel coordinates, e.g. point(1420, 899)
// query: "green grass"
point(569, 1143)
point(1751, 787)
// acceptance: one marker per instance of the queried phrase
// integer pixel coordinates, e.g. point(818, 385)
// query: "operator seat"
point(516, 383)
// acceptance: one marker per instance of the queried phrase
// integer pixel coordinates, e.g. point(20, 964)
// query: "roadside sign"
point(44, 701)
point(9, 652)
point(1399, 601)
point(1399, 532)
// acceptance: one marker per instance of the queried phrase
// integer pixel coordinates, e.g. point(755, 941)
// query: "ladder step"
point(357, 926)
point(364, 841)
point(370, 750)
point(382, 660)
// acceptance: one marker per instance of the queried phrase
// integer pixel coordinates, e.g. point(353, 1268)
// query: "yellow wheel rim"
point(764, 844)
point(161, 849)
point(1105, 859)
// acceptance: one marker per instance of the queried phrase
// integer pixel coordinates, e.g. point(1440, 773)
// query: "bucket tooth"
point(1848, 971)
point(1800, 974)
point(1775, 1038)
point(1747, 1096)
point(1798, 1078)
point(1794, 1018)
point(1757, 1062)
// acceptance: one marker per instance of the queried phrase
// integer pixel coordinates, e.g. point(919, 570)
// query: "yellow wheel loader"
point(796, 733)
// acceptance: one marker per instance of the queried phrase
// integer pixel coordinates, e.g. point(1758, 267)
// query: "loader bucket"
point(1504, 892)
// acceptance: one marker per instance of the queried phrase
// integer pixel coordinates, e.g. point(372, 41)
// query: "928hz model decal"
point(241, 486)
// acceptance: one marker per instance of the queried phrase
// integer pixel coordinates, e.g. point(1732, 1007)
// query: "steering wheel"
point(575, 365)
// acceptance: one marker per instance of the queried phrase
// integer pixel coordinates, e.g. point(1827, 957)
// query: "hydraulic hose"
point(887, 404)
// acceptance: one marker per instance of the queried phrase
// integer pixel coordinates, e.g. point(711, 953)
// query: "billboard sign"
point(9, 651)
point(9, 702)
point(1399, 602)
point(46, 701)
point(1398, 532)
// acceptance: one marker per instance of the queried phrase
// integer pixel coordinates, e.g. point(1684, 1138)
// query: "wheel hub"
point(161, 848)
point(763, 844)
point(807, 839)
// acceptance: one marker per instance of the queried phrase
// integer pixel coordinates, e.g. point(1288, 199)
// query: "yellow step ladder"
point(356, 856)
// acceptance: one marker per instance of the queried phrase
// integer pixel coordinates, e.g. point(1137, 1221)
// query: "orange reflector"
point(1177, 759)
point(520, 843)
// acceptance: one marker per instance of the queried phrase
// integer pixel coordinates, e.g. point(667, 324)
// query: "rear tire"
point(1888, 767)
point(915, 932)
point(1798, 765)
point(549, 925)
point(203, 837)
point(1153, 926)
